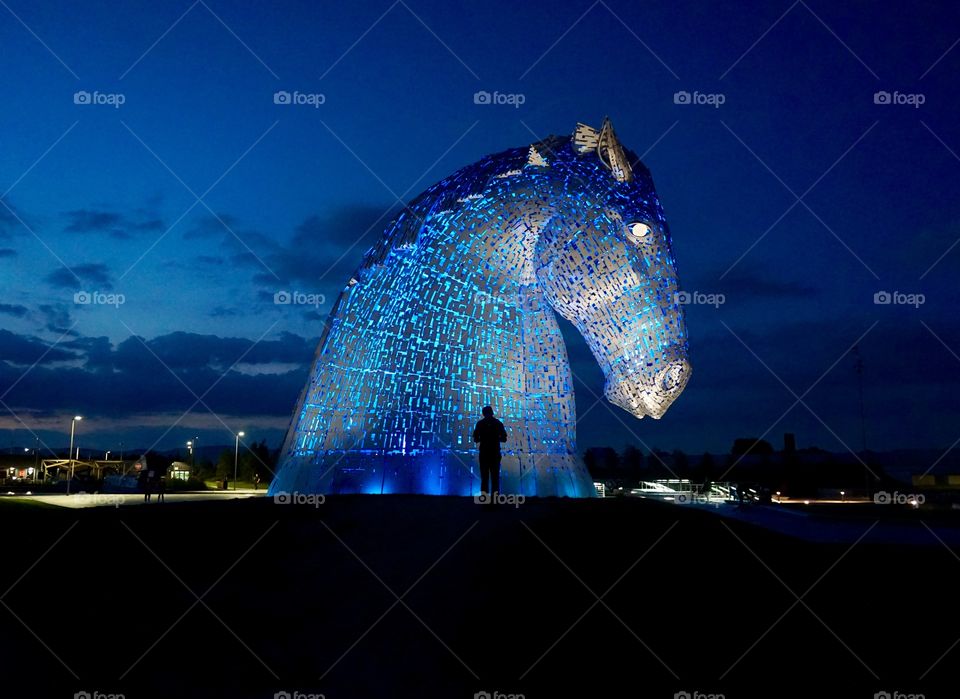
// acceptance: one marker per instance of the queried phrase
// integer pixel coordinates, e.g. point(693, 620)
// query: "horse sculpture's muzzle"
point(637, 396)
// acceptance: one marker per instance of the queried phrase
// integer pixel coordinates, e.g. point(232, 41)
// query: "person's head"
point(487, 411)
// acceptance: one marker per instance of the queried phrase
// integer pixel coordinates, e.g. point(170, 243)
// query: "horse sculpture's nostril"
point(674, 377)
point(641, 398)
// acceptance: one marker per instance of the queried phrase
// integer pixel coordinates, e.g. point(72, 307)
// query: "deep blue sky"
point(97, 199)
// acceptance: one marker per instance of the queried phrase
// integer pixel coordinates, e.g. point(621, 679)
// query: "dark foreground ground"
point(305, 599)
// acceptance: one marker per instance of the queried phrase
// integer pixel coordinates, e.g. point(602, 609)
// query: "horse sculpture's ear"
point(612, 155)
point(604, 142)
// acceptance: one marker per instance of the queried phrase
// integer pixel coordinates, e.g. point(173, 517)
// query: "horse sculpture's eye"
point(638, 231)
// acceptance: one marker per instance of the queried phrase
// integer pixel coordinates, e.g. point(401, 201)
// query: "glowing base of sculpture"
point(441, 473)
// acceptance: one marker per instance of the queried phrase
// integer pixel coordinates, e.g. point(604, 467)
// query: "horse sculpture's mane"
point(454, 190)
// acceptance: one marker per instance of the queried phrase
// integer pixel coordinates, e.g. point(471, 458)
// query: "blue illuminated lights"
point(453, 309)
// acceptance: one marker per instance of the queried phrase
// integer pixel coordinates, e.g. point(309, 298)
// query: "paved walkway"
point(84, 500)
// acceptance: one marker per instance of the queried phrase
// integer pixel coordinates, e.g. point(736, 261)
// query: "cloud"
point(326, 249)
point(57, 318)
point(111, 223)
point(78, 275)
point(14, 310)
point(139, 376)
point(26, 350)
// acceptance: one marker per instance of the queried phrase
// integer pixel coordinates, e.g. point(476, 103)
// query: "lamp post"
point(236, 454)
point(73, 425)
point(106, 457)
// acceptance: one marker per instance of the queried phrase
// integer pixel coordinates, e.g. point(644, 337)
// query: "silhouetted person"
point(147, 479)
point(489, 433)
point(161, 488)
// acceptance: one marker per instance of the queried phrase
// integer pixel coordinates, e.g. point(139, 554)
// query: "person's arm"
point(476, 437)
point(503, 433)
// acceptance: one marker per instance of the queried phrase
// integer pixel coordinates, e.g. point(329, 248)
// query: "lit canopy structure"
point(454, 308)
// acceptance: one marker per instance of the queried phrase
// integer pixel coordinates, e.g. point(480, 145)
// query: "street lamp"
point(236, 454)
point(73, 425)
point(106, 457)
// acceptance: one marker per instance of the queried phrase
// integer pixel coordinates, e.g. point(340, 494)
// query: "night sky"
point(198, 198)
